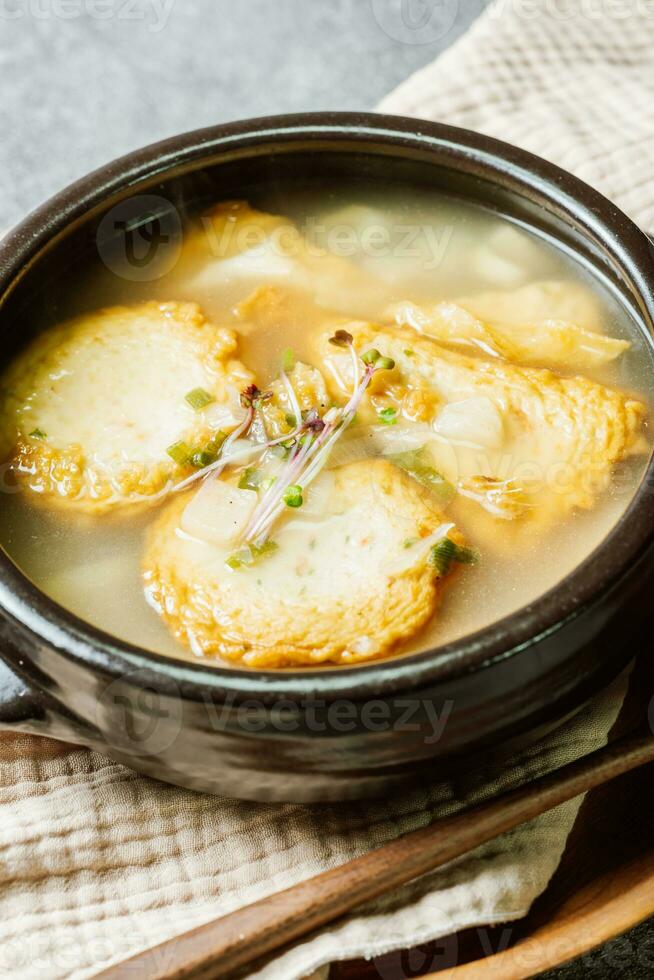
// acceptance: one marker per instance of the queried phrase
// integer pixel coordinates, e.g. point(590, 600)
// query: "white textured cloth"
point(97, 863)
point(571, 80)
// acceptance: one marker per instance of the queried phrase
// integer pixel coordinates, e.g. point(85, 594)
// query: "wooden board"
point(604, 886)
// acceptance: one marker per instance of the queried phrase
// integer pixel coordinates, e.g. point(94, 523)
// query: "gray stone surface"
point(84, 81)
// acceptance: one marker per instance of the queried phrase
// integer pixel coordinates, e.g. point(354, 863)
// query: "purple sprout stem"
point(221, 463)
point(292, 397)
point(318, 453)
point(273, 496)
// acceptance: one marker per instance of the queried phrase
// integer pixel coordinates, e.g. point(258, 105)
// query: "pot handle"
point(20, 707)
point(30, 710)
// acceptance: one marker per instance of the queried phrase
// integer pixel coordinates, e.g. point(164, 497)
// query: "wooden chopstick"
point(223, 946)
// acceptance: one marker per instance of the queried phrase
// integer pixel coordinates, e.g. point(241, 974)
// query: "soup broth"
point(483, 332)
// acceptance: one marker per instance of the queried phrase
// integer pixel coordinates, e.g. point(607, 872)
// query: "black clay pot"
point(327, 733)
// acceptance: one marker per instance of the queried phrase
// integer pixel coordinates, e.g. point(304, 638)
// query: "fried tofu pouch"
point(547, 324)
point(550, 442)
point(344, 588)
point(90, 409)
point(238, 248)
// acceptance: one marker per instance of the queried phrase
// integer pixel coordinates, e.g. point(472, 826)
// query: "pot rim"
point(598, 218)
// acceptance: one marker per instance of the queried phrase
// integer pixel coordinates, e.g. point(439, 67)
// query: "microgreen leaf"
point(292, 496)
point(38, 434)
point(385, 364)
point(288, 359)
point(342, 339)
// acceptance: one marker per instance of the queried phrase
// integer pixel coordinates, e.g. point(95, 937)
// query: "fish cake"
point(552, 441)
point(343, 586)
point(98, 412)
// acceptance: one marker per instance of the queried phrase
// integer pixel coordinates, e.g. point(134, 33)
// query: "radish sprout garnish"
point(251, 399)
point(344, 339)
point(310, 452)
point(292, 397)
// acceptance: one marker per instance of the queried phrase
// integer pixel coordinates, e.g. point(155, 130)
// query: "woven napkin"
point(98, 863)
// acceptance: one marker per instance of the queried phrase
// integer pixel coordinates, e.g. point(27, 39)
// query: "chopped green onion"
point(250, 555)
point(214, 445)
point(388, 416)
point(201, 459)
point(253, 479)
point(199, 399)
point(208, 454)
point(442, 556)
point(467, 556)
point(413, 462)
point(180, 453)
point(239, 558)
point(288, 359)
point(446, 552)
point(249, 480)
point(38, 434)
point(293, 496)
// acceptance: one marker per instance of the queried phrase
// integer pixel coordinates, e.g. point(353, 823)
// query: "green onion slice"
point(387, 416)
point(446, 552)
point(201, 459)
point(251, 555)
point(414, 462)
point(198, 399)
point(251, 479)
point(180, 452)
